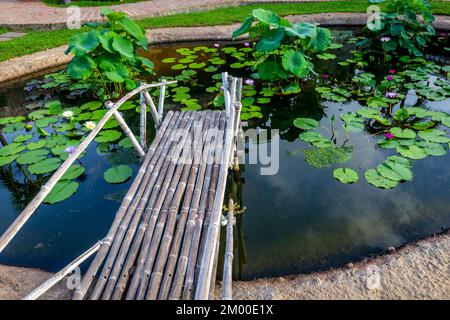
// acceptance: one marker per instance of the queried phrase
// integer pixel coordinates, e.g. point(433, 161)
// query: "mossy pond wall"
point(299, 220)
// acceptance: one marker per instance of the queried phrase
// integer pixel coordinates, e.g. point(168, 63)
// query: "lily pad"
point(8, 159)
point(118, 174)
point(73, 172)
point(32, 156)
point(108, 136)
point(376, 179)
point(45, 166)
point(62, 191)
point(346, 175)
point(403, 134)
point(11, 149)
point(315, 138)
point(22, 137)
point(306, 123)
point(412, 152)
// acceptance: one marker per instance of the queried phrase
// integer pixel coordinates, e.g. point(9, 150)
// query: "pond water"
point(298, 220)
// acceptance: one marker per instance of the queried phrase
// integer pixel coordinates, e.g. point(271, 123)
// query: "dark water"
point(298, 220)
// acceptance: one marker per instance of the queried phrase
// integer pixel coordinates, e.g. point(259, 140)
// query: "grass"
point(3, 30)
point(82, 3)
point(40, 40)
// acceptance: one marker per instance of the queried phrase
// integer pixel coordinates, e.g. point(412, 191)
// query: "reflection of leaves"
point(325, 157)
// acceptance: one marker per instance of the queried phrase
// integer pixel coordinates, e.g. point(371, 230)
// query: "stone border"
point(31, 65)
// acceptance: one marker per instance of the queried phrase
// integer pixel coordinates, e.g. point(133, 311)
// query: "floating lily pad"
point(108, 136)
point(61, 191)
point(346, 175)
point(325, 157)
point(169, 60)
point(376, 179)
point(45, 166)
point(45, 122)
point(73, 172)
point(179, 67)
point(118, 174)
point(11, 120)
point(32, 156)
point(403, 134)
point(197, 65)
point(13, 127)
point(434, 135)
point(11, 149)
point(432, 149)
point(306, 123)
point(91, 106)
point(22, 137)
point(315, 138)
point(8, 159)
point(412, 152)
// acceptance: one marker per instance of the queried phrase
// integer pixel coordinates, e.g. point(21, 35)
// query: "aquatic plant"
point(404, 27)
point(106, 57)
point(283, 49)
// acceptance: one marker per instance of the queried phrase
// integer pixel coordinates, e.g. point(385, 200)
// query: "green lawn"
point(40, 40)
point(3, 30)
point(82, 3)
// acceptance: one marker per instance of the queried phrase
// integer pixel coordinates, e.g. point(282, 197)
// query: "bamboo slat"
point(228, 263)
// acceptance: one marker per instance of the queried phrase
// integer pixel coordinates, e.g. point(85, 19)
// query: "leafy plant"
point(106, 56)
point(283, 49)
point(405, 26)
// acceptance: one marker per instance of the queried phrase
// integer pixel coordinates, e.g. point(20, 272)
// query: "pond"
point(299, 220)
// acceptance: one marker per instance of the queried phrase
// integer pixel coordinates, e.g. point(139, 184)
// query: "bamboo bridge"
point(164, 240)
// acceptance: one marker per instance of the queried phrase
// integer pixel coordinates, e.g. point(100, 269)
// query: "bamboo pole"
point(212, 287)
point(228, 263)
point(153, 109)
point(171, 120)
point(195, 179)
point(153, 211)
point(162, 93)
point(120, 265)
point(205, 209)
point(15, 227)
point(43, 288)
point(187, 228)
point(143, 121)
point(129, 134)
point(206, 269)
point(116, 245)
point(177, 186)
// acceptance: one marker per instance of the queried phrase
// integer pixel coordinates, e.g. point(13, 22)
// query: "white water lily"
point(68, 114)
point(90, 125)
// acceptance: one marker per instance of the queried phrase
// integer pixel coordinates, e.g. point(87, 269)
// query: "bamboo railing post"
point(143, 121)
point(162, 93)
point(228, 263)
point(153, 109)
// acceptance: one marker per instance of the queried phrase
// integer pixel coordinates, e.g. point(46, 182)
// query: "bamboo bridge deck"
point(164, 240)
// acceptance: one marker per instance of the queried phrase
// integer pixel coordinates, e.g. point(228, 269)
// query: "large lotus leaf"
point(106, 39)
point(131, 27)
point(403, 134)
point(432, 149)
point(73, 172)
point(376, 179)
point(266, 17)
point(32, 156)
point(81, 67)
point(306, 123)
point(82, 43)
point(123, 46)
point(321, 40)
point(271, 40)
point(118, 174)
point(434, 135)
point(270, 70)
point(315, 138)
point(412, 152)
point(108, 62)
point(11, 149)
point(346, 175)
point(8, 159)
point(295, 62)
point(108, 136)
point(61, 191)
point(119, 74)
point(45, 166)
point(302, 30)
point(244, 28)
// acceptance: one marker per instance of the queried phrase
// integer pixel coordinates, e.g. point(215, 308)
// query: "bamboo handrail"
point(43, 288)
point(207, 265)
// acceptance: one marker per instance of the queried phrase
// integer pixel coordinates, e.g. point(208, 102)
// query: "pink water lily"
point(392, 71)
point(326, 76)
point(70, 149)
point(391, 95)
point(389, 78)
point(389, 135)
point(249, 82)
point(216, 45)
point(247, 44)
